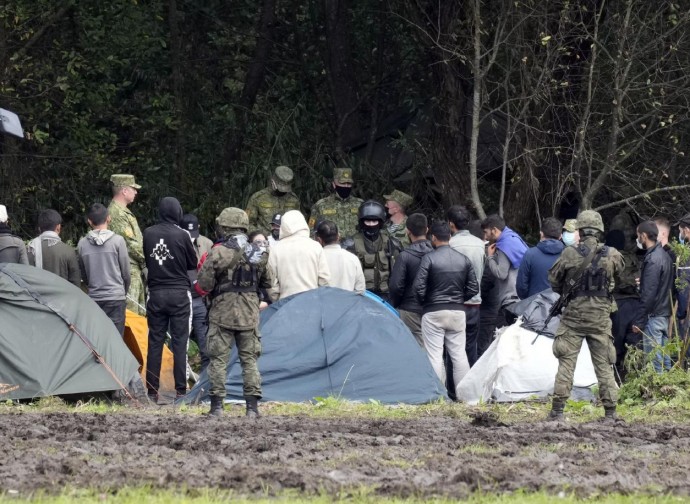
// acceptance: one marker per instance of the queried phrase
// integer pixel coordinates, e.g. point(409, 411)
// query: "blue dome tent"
point(330, 341)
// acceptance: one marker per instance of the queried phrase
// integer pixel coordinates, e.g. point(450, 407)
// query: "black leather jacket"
point(656, 283)
point(404, 272)
point(445, 280)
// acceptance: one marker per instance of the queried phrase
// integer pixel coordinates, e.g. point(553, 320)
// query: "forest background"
point(524, 108)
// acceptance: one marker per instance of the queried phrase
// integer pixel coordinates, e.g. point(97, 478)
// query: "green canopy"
point(55, 340)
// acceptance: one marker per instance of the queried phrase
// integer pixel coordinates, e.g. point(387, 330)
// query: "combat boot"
point(610, 414)
point(557, 410)
point(216, 406)
point(252, 406)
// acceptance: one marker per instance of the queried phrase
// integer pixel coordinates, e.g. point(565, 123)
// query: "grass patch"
point(361, 495)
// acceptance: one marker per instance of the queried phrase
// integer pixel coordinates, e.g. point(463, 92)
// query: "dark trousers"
point(472, 326)
point(115, 310)
point(471, 333)
point(200, 328)
point(621, 327)
point(487, 328)
point(168, 308)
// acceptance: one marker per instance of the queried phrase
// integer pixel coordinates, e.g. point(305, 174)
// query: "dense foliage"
point(506, 106)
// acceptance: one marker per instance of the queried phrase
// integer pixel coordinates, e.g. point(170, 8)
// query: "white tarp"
point(513, 369)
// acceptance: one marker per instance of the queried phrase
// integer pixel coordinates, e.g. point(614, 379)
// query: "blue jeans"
point(200, 328)
point(654, 340)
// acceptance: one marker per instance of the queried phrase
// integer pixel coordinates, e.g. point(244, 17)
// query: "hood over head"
point(293, 223)
point(551, 246)
point(170, 210)
point(99, 236)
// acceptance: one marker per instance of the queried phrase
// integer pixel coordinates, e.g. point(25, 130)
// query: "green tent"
point(54, 340)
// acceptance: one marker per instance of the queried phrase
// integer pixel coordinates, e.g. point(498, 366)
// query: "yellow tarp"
point(137, 339)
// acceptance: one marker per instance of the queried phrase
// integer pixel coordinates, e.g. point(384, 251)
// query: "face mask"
point(275, 233)
point(568, 238)
point(681, 238)
point(371, 232)
point(639, 244)
point(343, 192)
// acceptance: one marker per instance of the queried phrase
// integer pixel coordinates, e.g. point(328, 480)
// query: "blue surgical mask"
point(681, 238)
point(568, 238)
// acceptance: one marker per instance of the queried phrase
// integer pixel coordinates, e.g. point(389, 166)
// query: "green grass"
point(361, 495)
point(673, 410)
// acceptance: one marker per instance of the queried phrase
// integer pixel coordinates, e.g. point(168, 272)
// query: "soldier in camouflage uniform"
point(376, 250)
point(340, 207)
point(278, 198)
point(232, 275)
point(124, 223)
point(397, 204)
point(587, 316)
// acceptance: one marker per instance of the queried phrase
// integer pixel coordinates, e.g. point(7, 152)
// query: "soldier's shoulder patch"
point(354, 210)
point(329, 211)
point(312, 222)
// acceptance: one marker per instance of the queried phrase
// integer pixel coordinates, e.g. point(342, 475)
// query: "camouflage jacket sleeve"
point(252, 211)
point(314, 215)
point(206, 277)
point(265, 275)
point(559, 269)
point(125, 224)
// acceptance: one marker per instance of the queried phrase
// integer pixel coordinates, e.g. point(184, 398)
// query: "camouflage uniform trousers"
point(219, 344)
point(136, 296)
point(566, 348)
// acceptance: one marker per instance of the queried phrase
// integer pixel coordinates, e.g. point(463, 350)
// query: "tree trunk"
point(341, 74)
point(179, 166)
point(253, 82)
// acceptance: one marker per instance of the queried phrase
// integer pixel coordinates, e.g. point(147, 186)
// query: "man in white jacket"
point(298, 262)
point(346, 270)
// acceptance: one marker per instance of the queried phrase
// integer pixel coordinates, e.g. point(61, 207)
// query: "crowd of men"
point(453, 281)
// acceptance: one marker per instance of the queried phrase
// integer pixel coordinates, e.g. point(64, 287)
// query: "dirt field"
point(424, 457)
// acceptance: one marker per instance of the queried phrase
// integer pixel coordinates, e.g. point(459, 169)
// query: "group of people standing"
point(453, 280)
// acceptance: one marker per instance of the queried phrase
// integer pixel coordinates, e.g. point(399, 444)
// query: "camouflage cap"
point(343, 176)
point(401, 198)
point(570, 225)
point(282, 177)
point(124, 180)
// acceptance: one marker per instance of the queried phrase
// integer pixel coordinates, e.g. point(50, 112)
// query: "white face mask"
point(681, 238)
point(639, 244)
point(568, 238)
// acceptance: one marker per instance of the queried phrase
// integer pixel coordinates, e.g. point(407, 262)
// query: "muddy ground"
point(422, 457)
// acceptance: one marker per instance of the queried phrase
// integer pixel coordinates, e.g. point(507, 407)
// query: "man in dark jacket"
point(48, 252)
point(444, 281)
point(656, 282)
point(12, 249)
point(533, 274)
point(169, 256)
point(404, 272)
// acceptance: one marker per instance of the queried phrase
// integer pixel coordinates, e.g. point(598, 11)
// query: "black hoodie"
point(168, 249)
point(402, 277)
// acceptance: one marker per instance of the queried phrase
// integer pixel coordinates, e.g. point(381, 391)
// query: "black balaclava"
point(371, 232)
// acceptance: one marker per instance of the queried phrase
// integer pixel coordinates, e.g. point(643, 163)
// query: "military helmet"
point(589, 219)
point(233, 218)
point(371, 210)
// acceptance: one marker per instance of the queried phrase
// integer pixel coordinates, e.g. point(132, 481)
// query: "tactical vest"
point(595, 279)
point(377, 265)
point(242, 274)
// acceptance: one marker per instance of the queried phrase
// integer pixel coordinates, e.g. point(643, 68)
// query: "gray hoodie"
point(104, 265)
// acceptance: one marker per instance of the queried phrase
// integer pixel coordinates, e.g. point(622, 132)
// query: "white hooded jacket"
point(298, 262)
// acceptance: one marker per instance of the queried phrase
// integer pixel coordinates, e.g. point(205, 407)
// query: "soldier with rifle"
point(584, 277)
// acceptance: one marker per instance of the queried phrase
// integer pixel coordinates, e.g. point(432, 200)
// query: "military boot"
point(252, 406)
point(610, 414)
point(557, 410)
point(216, 406)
